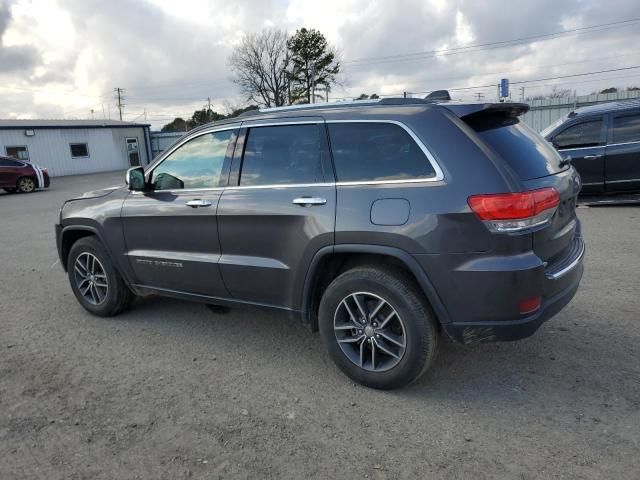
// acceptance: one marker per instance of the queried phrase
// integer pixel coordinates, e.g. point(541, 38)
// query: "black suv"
point(382, 224)
point(603, 144)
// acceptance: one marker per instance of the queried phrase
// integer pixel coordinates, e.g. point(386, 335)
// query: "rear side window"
point(281, 155)
point(526, 152)
point(626, 129)
point(585, 134)
point(376, 152)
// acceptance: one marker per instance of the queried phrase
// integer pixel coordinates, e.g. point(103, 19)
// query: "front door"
point(622, 169)
point(171, 230)
point(278, 214)
point(584, 143)
point(133, 152)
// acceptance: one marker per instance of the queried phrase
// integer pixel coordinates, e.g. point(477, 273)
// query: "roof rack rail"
point(315, 106)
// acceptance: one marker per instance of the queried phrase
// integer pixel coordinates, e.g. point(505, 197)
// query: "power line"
point(489, 45)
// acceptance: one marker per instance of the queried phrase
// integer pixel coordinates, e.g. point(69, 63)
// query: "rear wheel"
point(95, 282)
point(26, 185)
point(377, 327)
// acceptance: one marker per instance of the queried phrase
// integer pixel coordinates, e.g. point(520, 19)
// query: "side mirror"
point(135, 178)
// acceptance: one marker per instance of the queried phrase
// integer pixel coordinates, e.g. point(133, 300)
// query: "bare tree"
point(260, 66)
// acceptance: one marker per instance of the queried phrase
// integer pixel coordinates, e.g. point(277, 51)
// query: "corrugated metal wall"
point(161, 141)
point(50, 148)
point(544, 112)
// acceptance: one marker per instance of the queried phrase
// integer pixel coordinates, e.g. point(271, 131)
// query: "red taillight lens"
point(530, 305)
point(514, 206)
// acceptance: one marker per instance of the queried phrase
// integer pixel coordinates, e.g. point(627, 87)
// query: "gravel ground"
point(171, 390)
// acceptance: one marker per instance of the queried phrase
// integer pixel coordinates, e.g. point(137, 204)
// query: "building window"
point(19, 153)
point(79, 150)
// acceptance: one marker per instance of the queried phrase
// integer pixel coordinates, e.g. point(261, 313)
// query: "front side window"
point(585, 134)
point(626, 129)
point(195, 164)
point(79, 150)
point(19, 153)
point(376, 152)
point(281, 155)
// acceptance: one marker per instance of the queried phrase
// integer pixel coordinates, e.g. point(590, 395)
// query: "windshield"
point(552, 127)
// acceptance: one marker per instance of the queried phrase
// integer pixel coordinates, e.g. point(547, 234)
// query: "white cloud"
point(61, 58)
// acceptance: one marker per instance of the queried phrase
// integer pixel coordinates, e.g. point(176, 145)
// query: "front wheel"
point(26, 185)
point(377, 327)
point(95, 282)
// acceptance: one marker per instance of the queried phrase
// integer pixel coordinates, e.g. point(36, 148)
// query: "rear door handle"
point(196, 203)
point(592, 157)
point(309, 201)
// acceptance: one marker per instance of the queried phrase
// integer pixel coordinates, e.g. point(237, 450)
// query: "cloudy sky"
point(63, 58)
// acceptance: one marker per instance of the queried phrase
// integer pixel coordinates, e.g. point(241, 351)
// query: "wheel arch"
point(330, 261)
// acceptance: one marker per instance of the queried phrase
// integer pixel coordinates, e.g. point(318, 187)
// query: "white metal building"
point(74, 147)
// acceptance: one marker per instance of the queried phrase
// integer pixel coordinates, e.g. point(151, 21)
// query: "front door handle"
point(592, 157)
point(309, 201)
point(197, 202)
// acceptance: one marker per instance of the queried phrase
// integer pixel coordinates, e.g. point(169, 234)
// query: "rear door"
point(278, 210)
point(622, 164)
point(171, 231)
point(584, 141)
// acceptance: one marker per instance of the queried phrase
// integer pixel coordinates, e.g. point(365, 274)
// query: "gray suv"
point(381, 224)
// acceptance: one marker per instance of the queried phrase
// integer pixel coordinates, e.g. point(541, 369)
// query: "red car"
point(18, 176)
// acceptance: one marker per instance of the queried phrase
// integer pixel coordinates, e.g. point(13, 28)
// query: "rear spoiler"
point(473, 110)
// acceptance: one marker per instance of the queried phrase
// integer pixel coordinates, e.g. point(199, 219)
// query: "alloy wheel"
point(91, 278)
point(26, 185)
point(369, 331)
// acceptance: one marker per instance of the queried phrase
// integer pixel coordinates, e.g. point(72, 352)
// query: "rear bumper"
point(482, 294)
point(469, 332)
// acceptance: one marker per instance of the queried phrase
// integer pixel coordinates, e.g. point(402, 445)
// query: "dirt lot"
point(171, 390)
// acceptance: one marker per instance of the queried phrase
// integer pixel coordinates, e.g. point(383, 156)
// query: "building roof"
point(8, 124)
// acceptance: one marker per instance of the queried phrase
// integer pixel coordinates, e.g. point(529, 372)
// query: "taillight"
point(514, 212)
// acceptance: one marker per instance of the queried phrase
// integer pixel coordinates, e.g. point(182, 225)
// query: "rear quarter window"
point(526, 152)
point(376, 152)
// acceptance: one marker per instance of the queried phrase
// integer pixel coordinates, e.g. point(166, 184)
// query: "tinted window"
point(526, 152)
point(282, 155)
point(585, 134)
point(376, 152)
point(196, 164)
point(79, 150)
point(626, 129)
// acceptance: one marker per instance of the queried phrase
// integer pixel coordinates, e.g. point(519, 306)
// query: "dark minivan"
point(382, 224)
point(603, 144)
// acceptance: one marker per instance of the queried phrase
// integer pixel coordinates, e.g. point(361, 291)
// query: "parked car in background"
point(380, 223)
point(603, 144)
point(23, 177)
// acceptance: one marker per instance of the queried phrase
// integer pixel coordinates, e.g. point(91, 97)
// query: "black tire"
point(26, 184)
point(117, 296)
point(416, 319)
point(10, 190)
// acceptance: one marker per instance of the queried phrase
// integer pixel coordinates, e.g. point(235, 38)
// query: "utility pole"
point(209, 112)
point(479, 95)
point(522, 93)
point(92, 114)
point(404, 94)
point(119, 98)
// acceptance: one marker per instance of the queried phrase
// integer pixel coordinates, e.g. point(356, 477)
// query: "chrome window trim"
point(581, 148)
point(439, 174)
point(282, 185)
point(248, 124)
point(623, 181)
point(635, 142)
point(178, 190)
